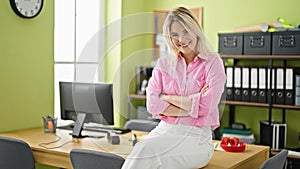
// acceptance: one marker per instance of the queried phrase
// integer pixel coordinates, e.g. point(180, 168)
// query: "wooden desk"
point(59, 157)
point(251, 158)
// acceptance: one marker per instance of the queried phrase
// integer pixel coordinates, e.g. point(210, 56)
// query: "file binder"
point(262, 85)
point(279, 95)
point(271, 85)
point(229, 83)
point(237, 84)
point(253, 84)
point(289, 90)
point(297, 90)
point(245, 84)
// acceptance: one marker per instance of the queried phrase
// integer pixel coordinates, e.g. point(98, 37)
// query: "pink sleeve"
point(202, 104)
point(154, 104)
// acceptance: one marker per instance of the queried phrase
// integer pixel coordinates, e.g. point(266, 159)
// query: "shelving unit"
point(269, 105)
point(252, 104)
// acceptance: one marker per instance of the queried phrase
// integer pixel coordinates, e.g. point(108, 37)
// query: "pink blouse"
point(187, 80)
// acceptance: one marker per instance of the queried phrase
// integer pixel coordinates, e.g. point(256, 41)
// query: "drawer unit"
point(230, 43)
point(257, 43)
point(286, 43)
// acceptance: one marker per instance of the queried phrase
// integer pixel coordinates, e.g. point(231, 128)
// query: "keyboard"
point(66, 127)
point(106, 130)
point(97, 129)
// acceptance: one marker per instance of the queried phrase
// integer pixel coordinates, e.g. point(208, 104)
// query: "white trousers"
point(172, 146)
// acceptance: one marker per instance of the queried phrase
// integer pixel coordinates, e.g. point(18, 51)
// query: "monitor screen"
point(93, 99)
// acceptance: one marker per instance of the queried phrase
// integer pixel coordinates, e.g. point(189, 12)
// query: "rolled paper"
point(255, 28)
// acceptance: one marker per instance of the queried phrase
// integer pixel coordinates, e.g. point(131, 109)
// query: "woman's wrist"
point(164, 97)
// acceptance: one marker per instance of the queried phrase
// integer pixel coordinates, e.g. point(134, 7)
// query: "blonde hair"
point(185, 17)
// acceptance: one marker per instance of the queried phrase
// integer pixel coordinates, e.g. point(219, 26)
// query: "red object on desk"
point(232, 144)
point(234, 148)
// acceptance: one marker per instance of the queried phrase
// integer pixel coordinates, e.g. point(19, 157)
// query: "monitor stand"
point(78, 126)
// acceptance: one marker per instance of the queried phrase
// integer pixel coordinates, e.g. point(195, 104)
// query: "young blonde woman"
point(184, 92)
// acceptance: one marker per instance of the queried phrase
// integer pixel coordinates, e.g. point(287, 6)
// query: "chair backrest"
point(90, 159)
point(276, 162)
point(141, 124)
point(15, 154)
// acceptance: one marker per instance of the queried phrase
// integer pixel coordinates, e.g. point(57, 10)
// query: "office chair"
point(90, 159)
point(141, 124)
point(276, 162)
point(15, 154)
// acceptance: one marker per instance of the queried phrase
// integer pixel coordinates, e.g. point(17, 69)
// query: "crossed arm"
point(180, 105)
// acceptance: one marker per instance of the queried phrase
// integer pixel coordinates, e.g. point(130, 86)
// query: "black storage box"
point(293, 163)
point(273, 135)
point(230, 43)
point(257, 43)
point(286, 43)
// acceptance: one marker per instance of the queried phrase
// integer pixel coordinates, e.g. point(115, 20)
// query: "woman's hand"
point(204, 89)
point(183, 102)
point(163, 97)
point(174, 111)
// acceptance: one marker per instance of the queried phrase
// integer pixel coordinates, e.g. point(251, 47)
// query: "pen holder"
point(49, 124)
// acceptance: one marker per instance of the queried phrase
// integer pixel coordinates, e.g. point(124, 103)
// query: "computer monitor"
point(94, 100)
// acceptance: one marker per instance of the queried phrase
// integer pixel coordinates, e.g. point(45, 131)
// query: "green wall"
point(26, 71)
point(113, 49)
point(26, 68)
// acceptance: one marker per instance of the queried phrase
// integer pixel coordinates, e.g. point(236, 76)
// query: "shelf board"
point(289, 155)
point(286, 106)
point(228, 56)
point(137, 96)
point(240, 103)
point(237, 103)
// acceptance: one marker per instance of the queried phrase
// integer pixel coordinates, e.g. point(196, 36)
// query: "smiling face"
point(183, 40)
